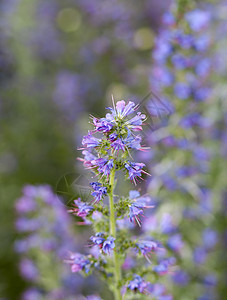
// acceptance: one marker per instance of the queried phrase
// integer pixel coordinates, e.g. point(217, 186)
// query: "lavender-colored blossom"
point(203, 67)
point(146, 247)
point(118, 145)
point(28, 269)
point(210, 238)
point(134, 170)
point(184, 40)
point(99, 193)
point(163, 267)
point(136, 122)
point(25, 205)
point(93, 297)
point(102, 124)
point(28, 225)
point(201, 93)
point(175, 242)
point(124, 110)
point(138, 284)
point(197, 19)
point(162, 50)
point(108, 245)
point(210, 280)
point(88, 158)
point(137, 205)
point(200, 255)
point(98, 239)
point(133, 142)
point(82, 209)
point(113, 136)
point(179, 61)
point(78, 262)
point(32, 294)
point(182, 90)
point(180, 277)
point(95, 185)
point(158, 291)
point(103, 165)
point(90, 141)
point(166, 224)
point(202, 42)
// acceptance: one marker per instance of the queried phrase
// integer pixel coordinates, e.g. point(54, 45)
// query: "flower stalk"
point(117, 267)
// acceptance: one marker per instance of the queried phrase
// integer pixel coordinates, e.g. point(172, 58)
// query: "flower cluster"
point(45, 235)
point(107, 149)
point(106, 245)
point(118, 129)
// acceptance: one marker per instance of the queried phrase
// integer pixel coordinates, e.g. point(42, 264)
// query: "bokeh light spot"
point(68, 19)
point(143, 38)
point(119, 91)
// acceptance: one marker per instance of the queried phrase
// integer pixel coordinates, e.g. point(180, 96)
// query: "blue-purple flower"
point(99, 191)
point(122, 110)
point(102, 124)
point(137, 205)
point(164, 265)
point(146, 247)
point(118, 145)
point(136, 122)
point(175, 242)
point(105, 244)
point(78, 262)
point(90, 141)
point(108, 245)
point(197, 19)
point(134, 170)
point(98, 239)
point(81, 209)
point(103, 165)
point(137, 284)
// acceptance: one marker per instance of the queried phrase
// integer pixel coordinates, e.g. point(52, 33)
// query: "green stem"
point(117, 267)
